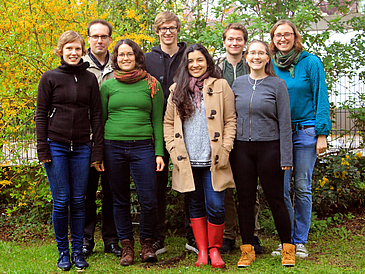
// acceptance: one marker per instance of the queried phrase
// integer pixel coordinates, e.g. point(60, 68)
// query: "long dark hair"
point(138, 53)
point(182, 93)
point(269, 68)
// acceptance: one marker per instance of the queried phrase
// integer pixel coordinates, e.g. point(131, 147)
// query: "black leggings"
point(250, 160)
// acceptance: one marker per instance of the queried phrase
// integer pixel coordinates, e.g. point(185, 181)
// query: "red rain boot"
point(215, 238)
point(199, 226)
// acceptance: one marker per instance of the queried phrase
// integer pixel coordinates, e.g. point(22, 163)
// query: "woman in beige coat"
point(199, 129)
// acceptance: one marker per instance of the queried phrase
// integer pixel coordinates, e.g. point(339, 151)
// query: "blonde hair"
point(69, 37)
point(166, 16)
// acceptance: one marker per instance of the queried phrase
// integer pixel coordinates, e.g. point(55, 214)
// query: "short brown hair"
point(166, 16)
point(69, 36)
point(138, 53)
point(99, 21)
point(236, 26)
point(297, 38)
point(269, 68)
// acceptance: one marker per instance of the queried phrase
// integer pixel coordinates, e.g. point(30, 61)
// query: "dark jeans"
point(162, 180)
point(204, 201)
point(123, 158)
point(250, 160)
point(68, 175)
point(108, 230)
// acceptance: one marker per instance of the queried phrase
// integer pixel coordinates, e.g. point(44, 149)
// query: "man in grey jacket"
point(233, 65)
point(99, 38)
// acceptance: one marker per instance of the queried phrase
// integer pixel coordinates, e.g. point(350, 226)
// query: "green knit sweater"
point(130, 113)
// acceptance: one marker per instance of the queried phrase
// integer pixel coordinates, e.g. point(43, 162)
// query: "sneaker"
point(257, 245)
point(301, 251)
point(191, 246)
point(288, 255)
point(277, 252)
point(227, 246)
point(247, 256)
point(78, 259)
point(158, 247)
point(87, 250)
point(64, 261)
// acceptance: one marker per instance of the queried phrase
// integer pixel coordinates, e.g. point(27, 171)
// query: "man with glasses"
point(233, 65)
point(162, 63)
point(99, 37)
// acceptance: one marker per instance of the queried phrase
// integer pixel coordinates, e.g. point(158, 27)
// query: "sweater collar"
point(72, 69)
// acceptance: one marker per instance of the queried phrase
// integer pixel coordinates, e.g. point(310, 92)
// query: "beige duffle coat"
point(220, 111)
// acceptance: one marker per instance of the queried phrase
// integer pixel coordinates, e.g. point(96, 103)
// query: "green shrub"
point(26, 192)
point(338, 181)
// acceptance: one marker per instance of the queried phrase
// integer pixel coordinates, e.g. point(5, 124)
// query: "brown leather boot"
point(147, 253)
point(128, 252)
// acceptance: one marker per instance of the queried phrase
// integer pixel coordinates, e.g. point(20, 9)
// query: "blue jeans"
point(305, 155)
point(204, 200)
point(123, 158)
point(68, 174)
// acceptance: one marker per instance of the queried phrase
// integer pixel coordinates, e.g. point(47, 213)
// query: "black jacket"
point(163, 67)
point(68, 108)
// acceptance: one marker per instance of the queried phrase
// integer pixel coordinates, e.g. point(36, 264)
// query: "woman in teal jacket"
point(310, 116)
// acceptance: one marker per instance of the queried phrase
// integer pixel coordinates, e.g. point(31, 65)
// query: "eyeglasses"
point(259, 53)
point(124, 55)
point(171, 29)
point(96, 37)
point(286, 35)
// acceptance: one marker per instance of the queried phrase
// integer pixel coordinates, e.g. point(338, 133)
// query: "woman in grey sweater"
point(263, 148)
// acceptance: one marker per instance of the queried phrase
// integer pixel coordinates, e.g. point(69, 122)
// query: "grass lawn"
point(339, 249)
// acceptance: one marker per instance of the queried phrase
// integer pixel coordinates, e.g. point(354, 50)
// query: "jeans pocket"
point(310, 131)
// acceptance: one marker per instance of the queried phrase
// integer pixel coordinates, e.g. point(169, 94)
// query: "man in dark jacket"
point(162, 63)
point(232, 66)
point(99, 37)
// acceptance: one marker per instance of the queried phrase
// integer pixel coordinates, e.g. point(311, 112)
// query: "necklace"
point(254, 85)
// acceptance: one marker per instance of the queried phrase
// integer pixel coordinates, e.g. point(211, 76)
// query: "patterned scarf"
point(287, 62)
point(196, 85)
point(135, 75)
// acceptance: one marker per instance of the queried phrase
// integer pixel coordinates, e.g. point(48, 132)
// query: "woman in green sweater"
point(132, 106)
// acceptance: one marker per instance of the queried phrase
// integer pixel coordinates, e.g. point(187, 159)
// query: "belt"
point(299, 127)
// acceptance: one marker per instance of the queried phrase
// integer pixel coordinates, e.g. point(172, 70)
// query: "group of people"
point(259, 114)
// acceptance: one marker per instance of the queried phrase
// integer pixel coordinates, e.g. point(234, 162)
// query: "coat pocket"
point(223, 159)
point(173, 157)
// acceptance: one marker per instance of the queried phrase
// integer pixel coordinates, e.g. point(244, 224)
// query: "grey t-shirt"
point(196, 136)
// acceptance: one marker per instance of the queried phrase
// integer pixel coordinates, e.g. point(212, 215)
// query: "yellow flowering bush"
point(339, 181)
point(29, 32)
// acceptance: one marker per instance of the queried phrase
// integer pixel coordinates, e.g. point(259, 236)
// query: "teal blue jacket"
point(308, 93)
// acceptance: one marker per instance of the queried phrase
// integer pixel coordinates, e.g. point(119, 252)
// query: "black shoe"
point(64, 261)
point(159, 247)
point(113, 248)
point(257, 245)
point(78, 259)
point(86, 250)
point(228, 245)
point(191, 246)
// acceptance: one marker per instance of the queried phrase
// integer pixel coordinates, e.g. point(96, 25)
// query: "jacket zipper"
point(253, 91)
point(52, 114)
